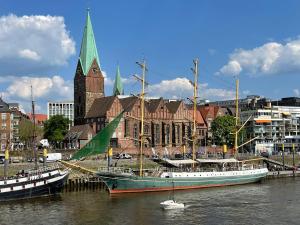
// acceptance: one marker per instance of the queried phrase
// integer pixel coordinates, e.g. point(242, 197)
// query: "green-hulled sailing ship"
point(225, 172)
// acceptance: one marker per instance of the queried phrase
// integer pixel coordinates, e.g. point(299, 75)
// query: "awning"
point(180, 162)
point(231, 160)
point(263, 121)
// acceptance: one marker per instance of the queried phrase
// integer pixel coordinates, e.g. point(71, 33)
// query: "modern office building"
point(275, 128)
point(65, 108)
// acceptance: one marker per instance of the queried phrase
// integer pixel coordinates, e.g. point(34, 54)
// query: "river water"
point(269, 202)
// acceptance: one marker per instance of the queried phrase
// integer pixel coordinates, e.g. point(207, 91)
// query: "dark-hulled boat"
point(45, 181)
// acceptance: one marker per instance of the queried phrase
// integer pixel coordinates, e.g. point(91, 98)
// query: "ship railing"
point(201, 169)
point(42, 170)
point(117, 170)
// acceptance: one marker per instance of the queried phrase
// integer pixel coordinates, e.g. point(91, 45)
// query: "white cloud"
point(246, 92)
point(31, 44)
point(129, 80)
point(296, 92)
point(55, 88)
point(6, 79)
point(110, 82)
point(43, 88)
point(28, 54)
point(270, 58)
point(107, 80)
point(232, 68)
point(177, 88)
point(180, 88)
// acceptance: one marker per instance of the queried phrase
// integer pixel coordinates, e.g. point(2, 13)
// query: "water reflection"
point(272, 202)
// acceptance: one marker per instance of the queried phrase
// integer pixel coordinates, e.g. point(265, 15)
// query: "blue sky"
point(257, 40)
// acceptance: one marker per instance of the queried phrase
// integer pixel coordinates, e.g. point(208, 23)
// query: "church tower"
point(118, 86)
point(88, 80)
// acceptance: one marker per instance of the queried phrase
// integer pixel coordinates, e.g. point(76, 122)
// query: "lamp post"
point(293, 147)
point(283, 155)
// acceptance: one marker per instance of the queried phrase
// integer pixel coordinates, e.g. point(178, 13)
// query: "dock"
point(283, 174)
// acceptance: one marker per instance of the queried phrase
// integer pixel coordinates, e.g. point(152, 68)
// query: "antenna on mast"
point(195, 72)
point(34, 133)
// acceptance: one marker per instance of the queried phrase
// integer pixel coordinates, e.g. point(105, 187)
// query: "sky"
point(256, 41)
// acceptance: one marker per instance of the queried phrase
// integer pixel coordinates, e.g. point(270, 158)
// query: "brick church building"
point(168, 123)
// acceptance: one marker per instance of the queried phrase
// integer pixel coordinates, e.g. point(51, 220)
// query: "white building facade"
point(275, 128)
point(65, 108)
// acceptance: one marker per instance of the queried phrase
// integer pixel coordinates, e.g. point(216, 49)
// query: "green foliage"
point(222, 129)
point(56, 128)
point(26, 131)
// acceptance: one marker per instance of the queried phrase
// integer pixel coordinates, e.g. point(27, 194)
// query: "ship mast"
point(34, 135)
point(236, 115)
point(143, 66)
point(195, 71)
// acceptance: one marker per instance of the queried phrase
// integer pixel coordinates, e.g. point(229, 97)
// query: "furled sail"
point(100, 143)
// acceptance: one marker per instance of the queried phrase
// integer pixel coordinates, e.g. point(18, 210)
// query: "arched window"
point(146, 129)
point(135, 134)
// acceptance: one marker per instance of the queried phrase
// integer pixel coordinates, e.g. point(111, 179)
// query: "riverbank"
point(95, 164)
point(14, 168)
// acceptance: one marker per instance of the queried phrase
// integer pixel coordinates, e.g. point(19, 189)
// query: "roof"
point(80, 132)
point(199, 118)
point(13, 105)
point(128, 103)
point(4, 107)
point(209, 110)
point(100, 106)
point(38, 117)
point(118, 86)
point(173, 106)
point(153, 104)
point(88, 50)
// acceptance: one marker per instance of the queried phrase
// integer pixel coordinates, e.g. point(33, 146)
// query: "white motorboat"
point(171, 204)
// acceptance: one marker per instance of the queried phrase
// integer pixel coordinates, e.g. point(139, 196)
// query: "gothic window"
point(135, 134)
point(146, 129)
point(157, 134)
point(167, 134)
point(177, 133)
point(126, 125)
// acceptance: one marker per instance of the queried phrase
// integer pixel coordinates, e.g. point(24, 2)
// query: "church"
point(168, 123)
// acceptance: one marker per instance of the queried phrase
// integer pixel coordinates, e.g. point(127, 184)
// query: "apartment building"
point(275, 128)
point(65, 108)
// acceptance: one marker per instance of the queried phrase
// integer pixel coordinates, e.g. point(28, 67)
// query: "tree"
point(26, 131)
point(222, 129)
point(56, 128)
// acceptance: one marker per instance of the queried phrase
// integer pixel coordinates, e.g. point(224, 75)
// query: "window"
point(177, 133)
point(157, 134)
point(126, 125)
point(3, 136)
point(135, 134)
point(3, 116)
point(146, 129)
point(167, 134)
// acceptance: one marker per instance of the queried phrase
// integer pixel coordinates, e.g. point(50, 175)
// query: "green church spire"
point(118, 87)
point(88, 51)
